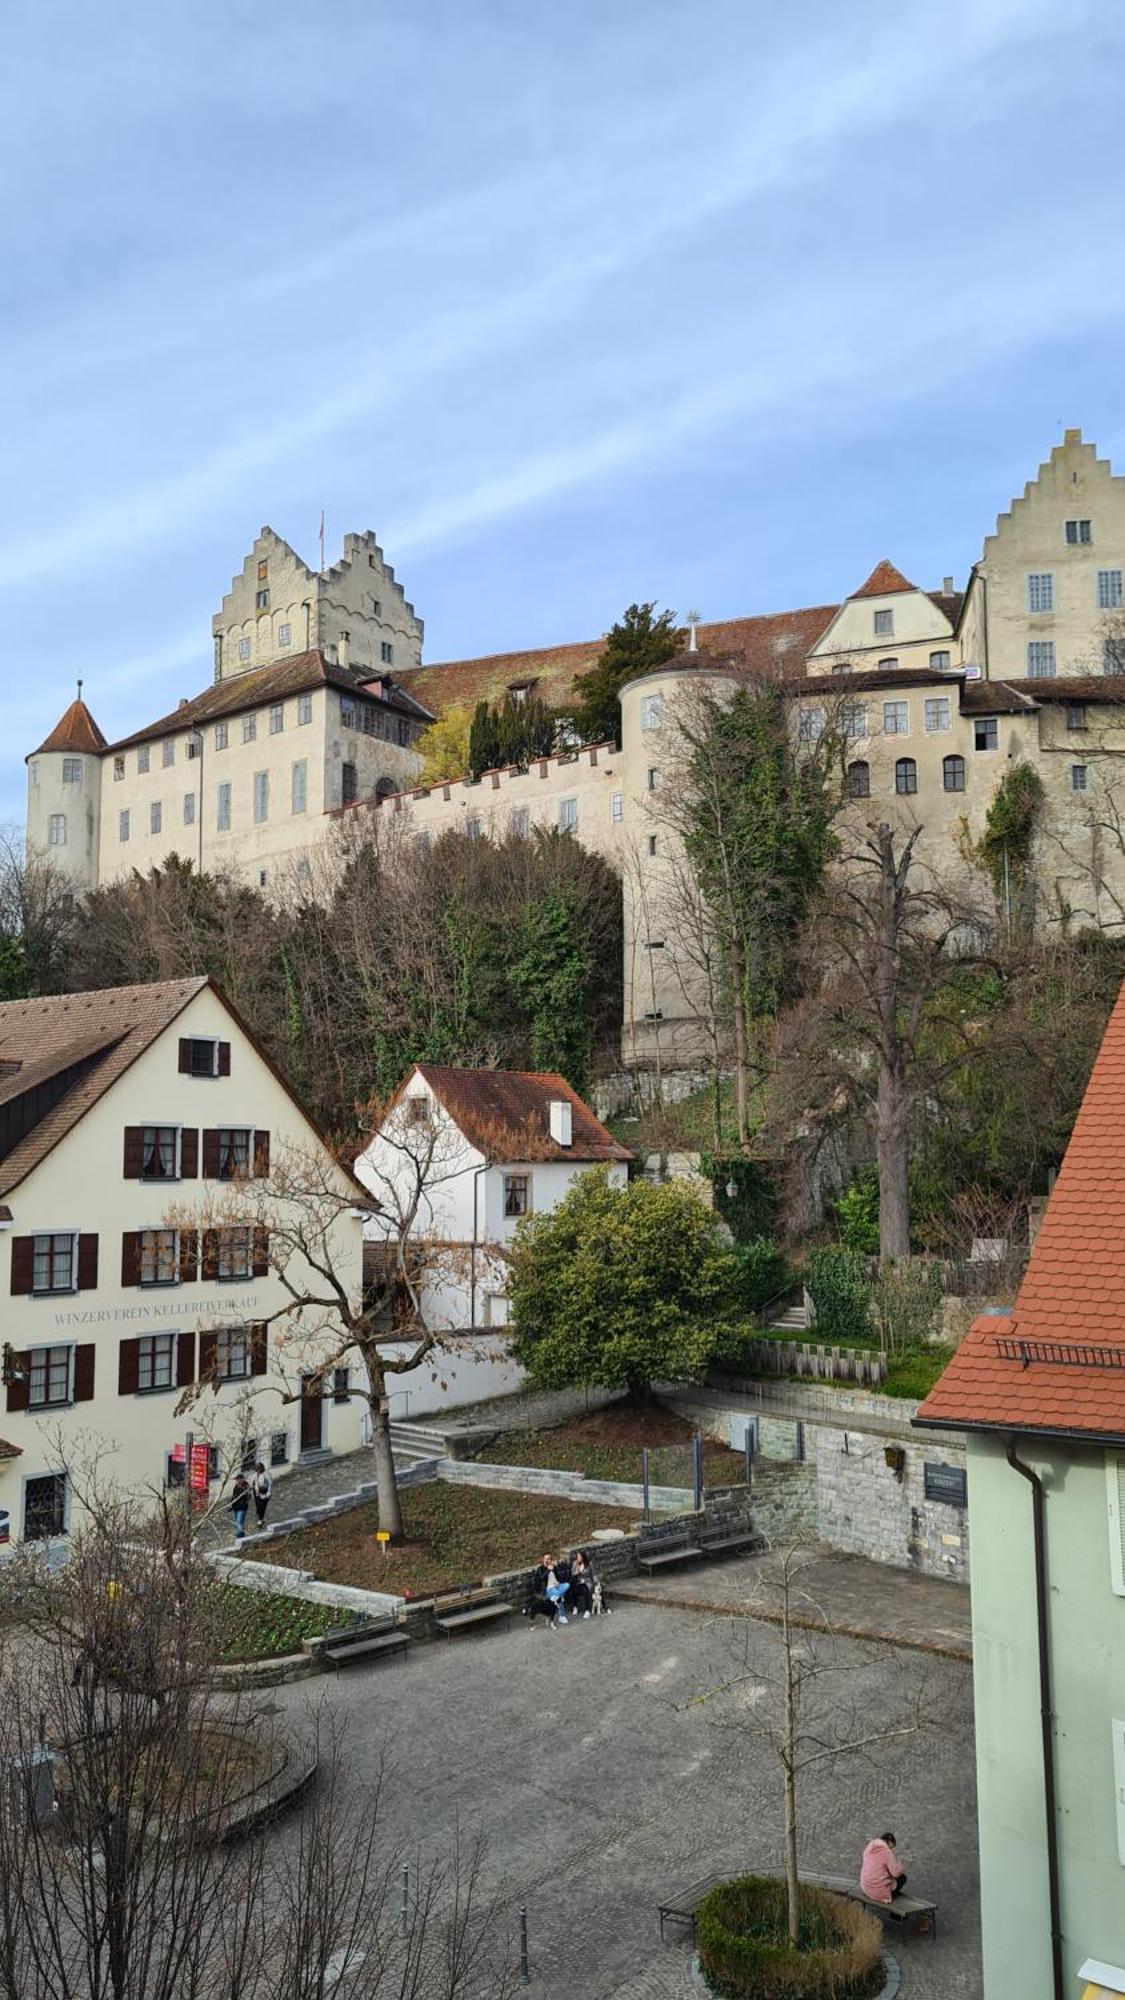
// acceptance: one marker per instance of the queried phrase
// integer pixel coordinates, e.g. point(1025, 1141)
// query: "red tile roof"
point(76, 730)
point(885, 580)
point(503, 1113)
point(1056, 1362)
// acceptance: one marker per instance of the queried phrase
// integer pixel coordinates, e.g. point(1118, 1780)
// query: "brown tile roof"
point(503, 1113)
point(10, 1450)
point(884, 581)
point(265, 684)
point(75, 730)
point(1016, 697)
point(1056, 1362)
point(777, 642)
point(48, 1036)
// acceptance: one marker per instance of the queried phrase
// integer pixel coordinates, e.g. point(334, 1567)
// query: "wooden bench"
point(680, 1907)
point(717, 1538)
point(909, 1913)
point(468, 1610)
point(374, 1639)
point(658, 1551)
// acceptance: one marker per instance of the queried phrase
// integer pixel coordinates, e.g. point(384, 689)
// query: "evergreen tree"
point(484, 740)
point(638, 644)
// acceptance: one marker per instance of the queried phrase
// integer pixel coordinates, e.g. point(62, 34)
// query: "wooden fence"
point(819, 1364)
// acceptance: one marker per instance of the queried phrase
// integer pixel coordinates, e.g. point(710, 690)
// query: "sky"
point(713, 304)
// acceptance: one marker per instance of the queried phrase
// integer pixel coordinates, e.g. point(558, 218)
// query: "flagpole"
point(322, 538)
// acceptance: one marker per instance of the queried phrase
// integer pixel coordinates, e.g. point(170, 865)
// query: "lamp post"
point(197, 739)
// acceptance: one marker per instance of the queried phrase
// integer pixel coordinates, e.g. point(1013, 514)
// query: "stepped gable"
point(885, 581)
point(779, 641)
point(1056, 1361)
point(504, 1113)
point(76, 731)
point(265, 684)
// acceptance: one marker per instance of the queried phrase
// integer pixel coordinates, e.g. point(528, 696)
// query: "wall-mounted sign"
point(949, 1483)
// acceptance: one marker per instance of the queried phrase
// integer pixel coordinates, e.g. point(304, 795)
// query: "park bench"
point(680, 1907)
point(469, 1609)
point(658, 1551)
point(909, 1913)
point(718, 1538)
point(374, 1639)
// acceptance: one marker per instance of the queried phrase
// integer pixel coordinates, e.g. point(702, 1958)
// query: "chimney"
point(343, 646)
point(947, 586)
point(559, 1120)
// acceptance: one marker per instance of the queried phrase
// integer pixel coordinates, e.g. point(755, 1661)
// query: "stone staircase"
point(416, 1444)
point(795, 1319)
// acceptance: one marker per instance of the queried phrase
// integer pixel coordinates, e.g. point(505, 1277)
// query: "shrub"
point(837, 1285)
point(906, 1304)
point(857, 1215)
point(762, 1274)
point(742, 1932)
point(913, 1375)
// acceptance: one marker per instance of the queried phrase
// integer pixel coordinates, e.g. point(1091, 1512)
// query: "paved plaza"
point(601, 1780)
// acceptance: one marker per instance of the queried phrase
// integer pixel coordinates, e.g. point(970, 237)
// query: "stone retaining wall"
point(277, 1579)
point(563, 1485)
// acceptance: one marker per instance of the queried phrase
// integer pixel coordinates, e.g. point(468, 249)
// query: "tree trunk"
point(893, 1159)
point(386, 1484)
point(741, 1044)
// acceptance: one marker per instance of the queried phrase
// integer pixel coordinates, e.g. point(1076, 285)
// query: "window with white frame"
point(986, 733)
point(1076, 715)
point(160, 1256)
point(155, 816)
point(1113, 656)
point(189, 808)
point(568, 815)
point(234, 1252)
point(953, 774)
point(517, 1194)
point(160, 1152)
point(884, 624)
point(1040, 590)
point(221, 735)
point(1109, 589)
point(300, 797)
point(906, 775)
point(118, 768)
point(56, 830)
point(142, 759)
point(518, 822)
point(1078, 777)
point(1041, 659)
point(652, 711)
point(810, 725)
point(168, 754)
point(262, 599)
point(123, 825)
point(54, 1262)
point(72, 770)
point(304, 708)
point(617, 806)
point(284, 635)
point(1078, 532)
point(937, 714)
point(49, 1373)
point(244, 649)
point(853, 720)
point(156, 1361)
point(222, 809)
point(277, 717)
point(249, 728)
point(234, 1147)
point(888, 666)
point(33, 773)
point(857, 780)
point(896, 718)
point(348, 711)
point(939, 661)
point(232, 1353)
point(387, 652)
point(261, 797)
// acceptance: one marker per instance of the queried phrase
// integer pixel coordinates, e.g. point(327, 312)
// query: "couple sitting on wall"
point(557, 1586)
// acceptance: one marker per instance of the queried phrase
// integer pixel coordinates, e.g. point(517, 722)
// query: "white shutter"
point(1118, 1729)
point(1115, 1497)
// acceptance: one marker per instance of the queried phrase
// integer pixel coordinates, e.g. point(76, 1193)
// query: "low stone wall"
point(277, 1579)
point(563, 1485)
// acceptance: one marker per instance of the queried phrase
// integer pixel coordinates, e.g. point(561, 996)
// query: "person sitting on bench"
point(581, 1594)
point(550, 1583)
point(881, 1873)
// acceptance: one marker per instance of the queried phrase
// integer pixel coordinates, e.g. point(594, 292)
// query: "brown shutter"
point(189, 1256)
point(185, 1359)
point(224, 1059)
point(18, 1391)
point(23, 1267)
point(87, 1263)
point(185, 1055)
point(84, 1372)
point(131, 1257)
point(261, 1156)
point(128, 1367)
point(207, 1345)
point(259, 1347)
point(189, 1153)
point(210, 1253)
point(134, 1153)
point(210, 1156)
point(260, 1256)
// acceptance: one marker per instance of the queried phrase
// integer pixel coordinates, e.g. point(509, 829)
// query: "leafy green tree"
point(857, 1214)
point(549, 976)
point(619, 1286)
point(640, 642)
point(836, 1282)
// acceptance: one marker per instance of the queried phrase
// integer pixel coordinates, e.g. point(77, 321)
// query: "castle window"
point(853, 720)
point(300, 786)
point(617, 806)
point(896, 718)
point(189, 808)
point(652, 711)
point(349, 784)
point(652, 779)
point(1078, 532)
point(142, 758)
point(33, 773)
point(376, 602)
point(937, 715)
point(472, 828)
point(244, 649)
point(1041, 659)
point(155, 816)
point(277, 717)
point(222, 814)
point(1040, 590)
point(1076, 715)
point(386, 652)
point(168, 757)
point(568, 815)
point(56, 830)
point(884, 624)
point(939, 662)
point(249, 728)
point(262, 600)
point(518, 823)
point(1078, 777)
point(123, 825)
point(888, 666)
point(652, 843)
point(72, 770)
point(218, 656)
point(118, 768)
point(304, 708)
point(1113, 657)
point(906, 775)
point(953, 773)
point(263, 570)
point(1109, 589)
point(220, 736)
point(986, 733)
point(261, 797)
point(347, 711)
point(284, 635)
point(858, 780)
point(810, 725)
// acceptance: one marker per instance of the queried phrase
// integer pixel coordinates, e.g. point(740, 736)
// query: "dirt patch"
point(607, 1444)
point(455, 1535)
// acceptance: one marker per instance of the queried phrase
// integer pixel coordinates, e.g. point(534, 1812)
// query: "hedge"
point(742, 1934)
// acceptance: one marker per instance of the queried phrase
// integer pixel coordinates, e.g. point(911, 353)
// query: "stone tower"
point(64, 787)
point(354, 612)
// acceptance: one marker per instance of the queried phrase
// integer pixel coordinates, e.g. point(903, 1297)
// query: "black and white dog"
point(598, 1605)
point(539, 1607)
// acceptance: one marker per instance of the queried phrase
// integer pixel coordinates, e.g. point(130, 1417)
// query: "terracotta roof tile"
point(75, 730)
point(885, 581)
point(503, 1113)
point(1057, 1361)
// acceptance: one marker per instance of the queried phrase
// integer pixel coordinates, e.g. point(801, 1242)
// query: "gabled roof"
point(1018, 697)
point(503, 1113)
point(298, 675)
point(1056, 1361)
point(75, 730)
point(885, 581)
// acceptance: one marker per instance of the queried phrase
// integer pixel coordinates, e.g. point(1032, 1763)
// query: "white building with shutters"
point(128, 1118)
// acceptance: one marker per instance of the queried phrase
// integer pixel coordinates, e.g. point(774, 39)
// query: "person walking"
point(240, 1505)
point(262, 1488)
point(881, 1873)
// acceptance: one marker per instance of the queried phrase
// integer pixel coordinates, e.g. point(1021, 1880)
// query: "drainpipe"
point(477, 1172)
point(1038, 1503)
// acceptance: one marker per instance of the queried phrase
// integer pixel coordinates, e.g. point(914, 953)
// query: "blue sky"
point(715, 304)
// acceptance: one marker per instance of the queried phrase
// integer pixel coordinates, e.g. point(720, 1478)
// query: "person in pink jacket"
point(881, 1873)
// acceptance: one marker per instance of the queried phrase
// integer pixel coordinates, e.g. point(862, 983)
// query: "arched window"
point(859, 780)
point(906, 775)
point(953, 773)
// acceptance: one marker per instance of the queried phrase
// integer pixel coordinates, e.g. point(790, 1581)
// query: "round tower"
point(64, 796)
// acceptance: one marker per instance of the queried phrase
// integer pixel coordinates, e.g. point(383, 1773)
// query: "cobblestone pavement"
point(304, 1486)
point(849, 1593)
point(601, 1780)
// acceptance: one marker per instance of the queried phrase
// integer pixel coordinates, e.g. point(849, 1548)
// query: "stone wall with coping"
point(279, 1581)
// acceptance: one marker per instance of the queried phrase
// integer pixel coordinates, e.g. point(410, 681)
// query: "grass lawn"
point(257, 1625)
point(455, 1535)
point(607, 1444)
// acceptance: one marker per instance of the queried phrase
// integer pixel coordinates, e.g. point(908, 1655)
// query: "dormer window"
point(560, 1121)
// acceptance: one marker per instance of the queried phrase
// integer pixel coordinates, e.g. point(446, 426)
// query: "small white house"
point(466, 1153)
